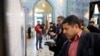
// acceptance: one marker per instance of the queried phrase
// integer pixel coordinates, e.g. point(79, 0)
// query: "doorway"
point(43, 13)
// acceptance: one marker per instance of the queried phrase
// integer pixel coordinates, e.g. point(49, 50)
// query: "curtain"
point(91, 10)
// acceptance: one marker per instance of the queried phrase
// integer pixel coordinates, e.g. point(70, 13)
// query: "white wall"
point(15, 19)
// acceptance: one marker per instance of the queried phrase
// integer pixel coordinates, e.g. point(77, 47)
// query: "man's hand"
point(40, 29)
point(52, 34)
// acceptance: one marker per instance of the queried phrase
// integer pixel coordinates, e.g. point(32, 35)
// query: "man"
point(83, 27)
point(38, 30)
point(92, 28)
point(60, 36)
point(52, 28)
point(79, 43)
point(29, 32)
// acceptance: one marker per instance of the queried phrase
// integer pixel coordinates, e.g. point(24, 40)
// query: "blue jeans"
point(38, 40)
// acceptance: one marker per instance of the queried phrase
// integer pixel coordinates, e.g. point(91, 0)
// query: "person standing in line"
point(79, 43)
point(92, 27)
point(60, 39)
point(52, 28)
point(83, 27)
point(38, 30)
point(29, 32)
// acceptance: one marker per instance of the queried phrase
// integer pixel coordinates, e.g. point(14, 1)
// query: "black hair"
point(72, 20)
point(60, 17)
point(82, 21)
point(51, 22)
point(91, 22)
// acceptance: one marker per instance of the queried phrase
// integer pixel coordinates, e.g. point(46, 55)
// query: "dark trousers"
point(38, 40)
point(29, 34)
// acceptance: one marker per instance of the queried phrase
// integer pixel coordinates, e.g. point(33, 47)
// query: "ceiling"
point(43, 6)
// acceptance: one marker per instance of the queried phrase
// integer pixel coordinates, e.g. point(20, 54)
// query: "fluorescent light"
point(96, 10)
point(61, 2)
point(43, 5)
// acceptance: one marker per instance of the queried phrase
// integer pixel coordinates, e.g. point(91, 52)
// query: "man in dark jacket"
point(92, 28)
point(29, 32)
point(79, 43)
point(60, 37)
point(52, 28)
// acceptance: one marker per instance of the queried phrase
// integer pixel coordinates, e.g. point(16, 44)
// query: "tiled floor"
point(31, 48)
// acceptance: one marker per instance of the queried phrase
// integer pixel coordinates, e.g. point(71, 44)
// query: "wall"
point(15, 20)
point(79, 8)
point(29, 5)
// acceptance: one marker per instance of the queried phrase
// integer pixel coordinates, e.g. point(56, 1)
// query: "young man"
point(60, 36)
point(83, 27)
point(29, 32)
point(38, 30)
point(79, 43)
point(52, 28)
point(92, 28)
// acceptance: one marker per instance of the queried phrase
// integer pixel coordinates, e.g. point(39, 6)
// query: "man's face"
point(38, 22)
point(91, 23)
point(69, 30)
point(51, 25)
point(60, 21)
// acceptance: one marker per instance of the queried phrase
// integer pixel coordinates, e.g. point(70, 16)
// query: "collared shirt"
point(74, 44)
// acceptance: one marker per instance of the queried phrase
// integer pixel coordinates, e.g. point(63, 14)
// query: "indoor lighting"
point(43, 5)
point(96, 10)
point(61, 2)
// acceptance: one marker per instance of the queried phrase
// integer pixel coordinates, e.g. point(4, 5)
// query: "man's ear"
point(76, 26)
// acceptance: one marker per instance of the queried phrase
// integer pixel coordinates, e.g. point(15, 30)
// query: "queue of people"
point(71, 36)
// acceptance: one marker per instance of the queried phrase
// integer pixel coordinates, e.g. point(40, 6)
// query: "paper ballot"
point(50, 42)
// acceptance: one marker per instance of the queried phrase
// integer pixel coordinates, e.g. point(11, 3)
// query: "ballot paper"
point(50, 42)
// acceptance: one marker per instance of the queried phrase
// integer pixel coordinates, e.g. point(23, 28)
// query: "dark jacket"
point(57, 28)
point(93, 29)
point(61, 38)
point(89, 45)
point(29, 30)
point(51, 29)
point(59, 43)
